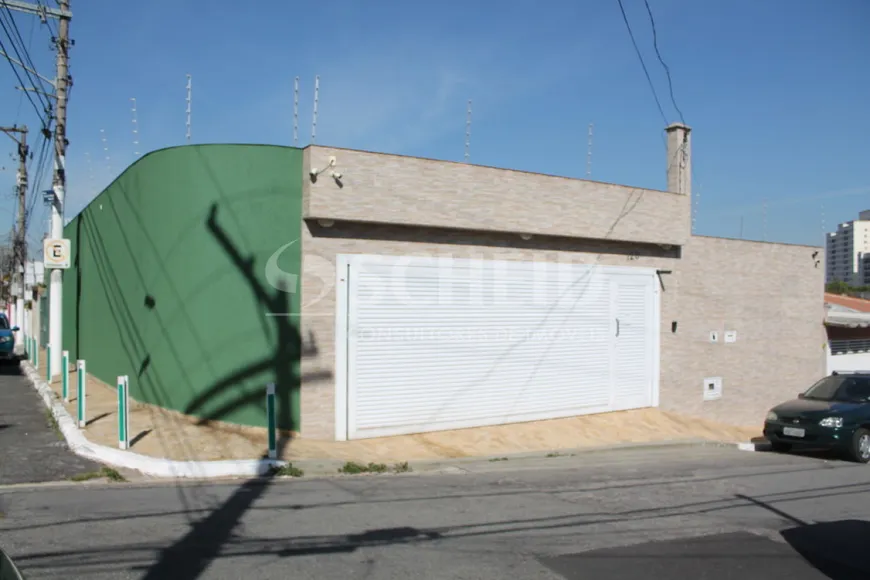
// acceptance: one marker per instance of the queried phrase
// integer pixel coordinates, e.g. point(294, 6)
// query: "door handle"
point(617, 327)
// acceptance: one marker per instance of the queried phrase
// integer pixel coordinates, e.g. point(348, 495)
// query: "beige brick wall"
point(318, 314)
point(402, 190)
point(771, 294)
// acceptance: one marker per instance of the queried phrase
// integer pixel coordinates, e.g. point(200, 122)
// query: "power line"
point(662, 61)
point(36, 184)
point(24, 56)
point(681, 155)
point(29, 44)
point(8, 19)
point(642, 63)
point(39, 113)
point(14, 25)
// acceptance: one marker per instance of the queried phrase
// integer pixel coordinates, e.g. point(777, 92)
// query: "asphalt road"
point(715, 513)
point(31, 449)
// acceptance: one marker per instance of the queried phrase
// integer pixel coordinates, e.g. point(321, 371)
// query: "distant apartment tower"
point(848, 252)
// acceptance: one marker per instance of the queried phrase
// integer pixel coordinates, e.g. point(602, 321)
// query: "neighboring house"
point(848, 252)
point(430, 294)
point(34, 274)
point(848, 328)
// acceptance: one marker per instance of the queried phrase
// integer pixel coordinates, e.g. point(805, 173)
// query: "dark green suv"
point(8, 570)
point(833, 414)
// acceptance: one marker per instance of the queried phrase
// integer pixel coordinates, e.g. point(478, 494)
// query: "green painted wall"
point(168, 283)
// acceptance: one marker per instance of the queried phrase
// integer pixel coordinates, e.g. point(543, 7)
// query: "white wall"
point(859, 361)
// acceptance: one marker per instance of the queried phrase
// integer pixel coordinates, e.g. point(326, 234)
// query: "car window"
point(4, 323)
point(826, 389)
point(855, 389)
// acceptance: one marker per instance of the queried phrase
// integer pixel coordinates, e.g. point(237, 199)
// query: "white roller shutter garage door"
point(428, 344)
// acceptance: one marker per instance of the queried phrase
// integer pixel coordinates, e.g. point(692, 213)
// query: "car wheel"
point(780, 447)
point(860, 451)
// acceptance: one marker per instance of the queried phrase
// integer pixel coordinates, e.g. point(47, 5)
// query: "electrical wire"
point(36, 189)
point(29, 45)
point(6, 17)
point(652, 22)
point(696, 199)
point(27, 60)
point(35, 193)
point(18, 76)
point(642, 63)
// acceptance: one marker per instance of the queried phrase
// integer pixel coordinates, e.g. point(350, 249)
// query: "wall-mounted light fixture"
point(526, 237)
point(326, 223)
point(659, 274)
point(315, 173)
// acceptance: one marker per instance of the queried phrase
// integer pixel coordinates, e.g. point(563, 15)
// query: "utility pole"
point(19, 135)
point(55, 306)
point(61, 84)
point(20, 252)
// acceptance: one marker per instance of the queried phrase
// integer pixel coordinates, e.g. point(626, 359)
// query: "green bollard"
point(80, 393)
point(270, 410)
point(64, 371)
point(123, 414)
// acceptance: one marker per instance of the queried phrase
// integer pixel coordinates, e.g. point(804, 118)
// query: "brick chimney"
point(679, 158)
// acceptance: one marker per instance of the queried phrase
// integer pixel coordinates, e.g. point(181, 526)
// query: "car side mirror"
point(801, 395)
point(15, 329)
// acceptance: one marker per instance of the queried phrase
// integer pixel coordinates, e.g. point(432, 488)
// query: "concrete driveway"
point(32, 450)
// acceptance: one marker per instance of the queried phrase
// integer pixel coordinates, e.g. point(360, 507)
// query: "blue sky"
point(776, 92)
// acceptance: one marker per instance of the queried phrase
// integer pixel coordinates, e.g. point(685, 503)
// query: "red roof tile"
point(858, 304)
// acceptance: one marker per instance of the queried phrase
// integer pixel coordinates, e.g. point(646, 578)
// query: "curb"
point(153, 466)
point(750, 446)
point(573, 451)
point(172, 469)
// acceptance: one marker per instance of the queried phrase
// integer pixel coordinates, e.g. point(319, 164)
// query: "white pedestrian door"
point(634, 325)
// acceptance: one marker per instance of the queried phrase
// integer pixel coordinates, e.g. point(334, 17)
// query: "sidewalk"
point(167, 434)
